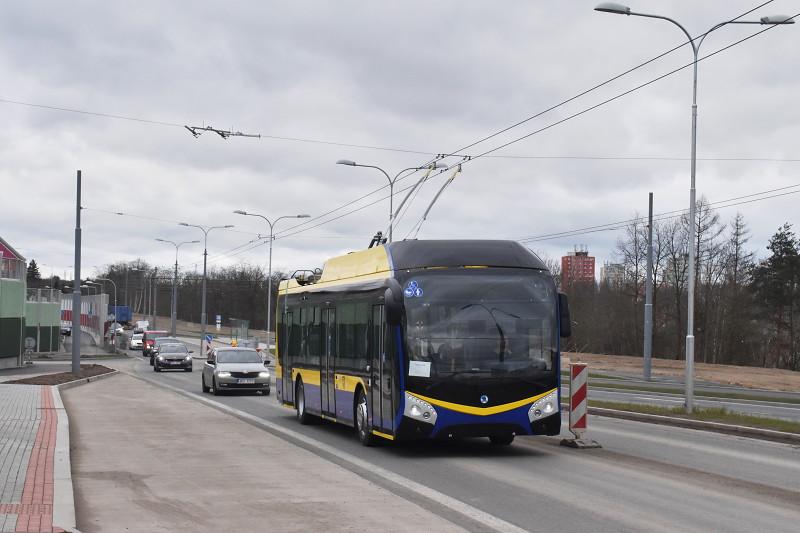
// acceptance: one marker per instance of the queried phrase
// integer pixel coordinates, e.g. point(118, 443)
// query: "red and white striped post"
point(578, 401)
point(578, 406)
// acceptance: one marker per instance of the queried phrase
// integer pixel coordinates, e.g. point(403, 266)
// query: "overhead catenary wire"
point(583, 111)
point(668, 215)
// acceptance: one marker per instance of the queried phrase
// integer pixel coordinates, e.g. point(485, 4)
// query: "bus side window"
point(314, 340)
point(283, 335)
point(361, 343)
point(295, 335)
point(347, 315)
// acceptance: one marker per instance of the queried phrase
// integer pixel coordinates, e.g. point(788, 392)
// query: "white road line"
point(483, 518)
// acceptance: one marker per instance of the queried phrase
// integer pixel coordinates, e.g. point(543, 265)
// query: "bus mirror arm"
point(393, 301)
point(564, 322)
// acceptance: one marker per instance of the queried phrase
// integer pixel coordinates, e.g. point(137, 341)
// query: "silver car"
point(235, 369)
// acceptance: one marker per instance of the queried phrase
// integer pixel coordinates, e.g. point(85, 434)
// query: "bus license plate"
point(246, 381)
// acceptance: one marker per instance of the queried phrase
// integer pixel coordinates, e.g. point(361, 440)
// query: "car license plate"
point(246, 381)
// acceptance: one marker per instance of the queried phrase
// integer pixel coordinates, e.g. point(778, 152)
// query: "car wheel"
point(152, 361)
point(203, 381)
point(300, 404)
point(214, 390)
point(156, 368)
point(266, 392)
point(502, 440)
point(362, 420)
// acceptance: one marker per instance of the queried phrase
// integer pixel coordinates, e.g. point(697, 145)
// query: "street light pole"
point(271, 225)
point(174, 310)
point(619, 9)
point(392, 181)
point(203, 317)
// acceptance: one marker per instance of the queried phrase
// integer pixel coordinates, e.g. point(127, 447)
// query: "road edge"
point(717, 427)
point(63, 495)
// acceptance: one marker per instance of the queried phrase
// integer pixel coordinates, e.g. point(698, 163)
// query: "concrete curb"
point(63, 496)
point(718, 427)
point(82, 381)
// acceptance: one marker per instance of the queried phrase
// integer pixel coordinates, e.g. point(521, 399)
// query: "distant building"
point(577, 267)
point(612, 274)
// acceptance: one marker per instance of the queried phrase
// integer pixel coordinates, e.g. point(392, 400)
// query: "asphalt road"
point(646, 477)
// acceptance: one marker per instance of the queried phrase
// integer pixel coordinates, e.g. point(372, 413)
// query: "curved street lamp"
point(349, 163)
point(203, 319)
point(696, 42)
point(174, 311)
point(271, 225)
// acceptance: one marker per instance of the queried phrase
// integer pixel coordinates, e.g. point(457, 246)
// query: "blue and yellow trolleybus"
point(425, 339)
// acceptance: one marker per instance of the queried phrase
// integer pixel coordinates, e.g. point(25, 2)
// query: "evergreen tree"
point(777, 285)
point(33, 271)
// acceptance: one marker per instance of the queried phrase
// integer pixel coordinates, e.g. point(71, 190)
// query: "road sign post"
point(578, 407)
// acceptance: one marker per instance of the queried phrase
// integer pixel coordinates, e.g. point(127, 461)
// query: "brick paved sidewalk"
point(28, 425)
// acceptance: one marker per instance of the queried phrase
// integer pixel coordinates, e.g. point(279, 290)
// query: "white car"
point(136, 341)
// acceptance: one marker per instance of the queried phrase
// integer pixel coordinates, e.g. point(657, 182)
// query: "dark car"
point(156, 346)
point(173, 355)
point(149, 339)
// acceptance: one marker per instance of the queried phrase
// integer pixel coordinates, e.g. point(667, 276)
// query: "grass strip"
point(705, 394)
point(712, 414)
point(596, 376)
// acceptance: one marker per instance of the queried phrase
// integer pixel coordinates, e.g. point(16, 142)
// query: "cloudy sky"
point(415, 78)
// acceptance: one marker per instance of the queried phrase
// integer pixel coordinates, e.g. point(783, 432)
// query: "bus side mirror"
point(393, 302)
point(564, 322)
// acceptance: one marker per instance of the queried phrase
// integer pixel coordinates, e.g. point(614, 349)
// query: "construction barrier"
point(578, 406)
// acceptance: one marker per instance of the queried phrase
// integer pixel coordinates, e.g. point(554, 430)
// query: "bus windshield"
point(487, 321)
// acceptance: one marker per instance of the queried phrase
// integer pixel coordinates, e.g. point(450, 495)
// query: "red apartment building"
point(577, 267)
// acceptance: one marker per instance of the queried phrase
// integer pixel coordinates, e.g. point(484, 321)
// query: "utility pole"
point(76, 287)
point(648, 298)
point(154, 298)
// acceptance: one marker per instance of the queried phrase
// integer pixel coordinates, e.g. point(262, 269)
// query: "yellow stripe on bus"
point(310, 377)
point(344, 382)
point(480, 411)
point(384, 435)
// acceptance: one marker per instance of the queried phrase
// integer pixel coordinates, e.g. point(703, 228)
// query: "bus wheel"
point(362, 421)
point(502, 440)
point(300, 404)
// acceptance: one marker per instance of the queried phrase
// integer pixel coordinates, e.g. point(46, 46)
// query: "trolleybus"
point(425, 339)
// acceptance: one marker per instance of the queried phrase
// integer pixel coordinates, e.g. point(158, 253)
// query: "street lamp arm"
point(378, 168)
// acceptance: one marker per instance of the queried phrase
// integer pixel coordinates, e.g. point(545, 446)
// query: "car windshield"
point(167, 340)
point(481, 321)
point(238, 356)
point(173, 348)
point(137, 337)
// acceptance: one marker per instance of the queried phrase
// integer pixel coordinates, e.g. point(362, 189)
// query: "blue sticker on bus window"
point(413, 290)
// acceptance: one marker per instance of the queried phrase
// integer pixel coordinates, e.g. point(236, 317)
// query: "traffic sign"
point(209, 338)
point(30, 343)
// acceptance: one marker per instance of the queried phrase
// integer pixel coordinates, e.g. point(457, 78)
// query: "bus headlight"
point(543, 407)
point(419, 410)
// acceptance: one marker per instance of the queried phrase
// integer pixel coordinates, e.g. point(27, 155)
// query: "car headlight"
point(188, 357)
point(224, 374)
point(160, 357)
point(419, 409)
point(544, 407)
point(263, 374)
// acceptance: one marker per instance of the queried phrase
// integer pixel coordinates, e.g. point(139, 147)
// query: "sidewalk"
point(147, 459)
point(29, 423)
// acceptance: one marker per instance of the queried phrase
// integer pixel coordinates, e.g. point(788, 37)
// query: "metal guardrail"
point(12, 268)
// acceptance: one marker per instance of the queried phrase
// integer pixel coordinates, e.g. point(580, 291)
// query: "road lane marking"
point(485, 519)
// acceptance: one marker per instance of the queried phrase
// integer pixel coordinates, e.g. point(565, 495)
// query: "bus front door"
point(381, 390)
point(327, 369)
